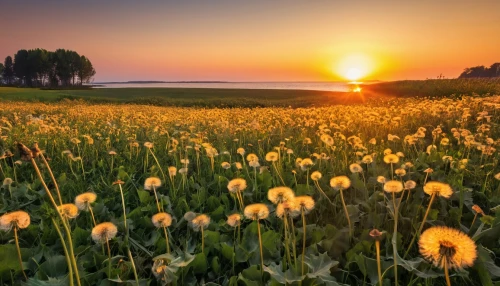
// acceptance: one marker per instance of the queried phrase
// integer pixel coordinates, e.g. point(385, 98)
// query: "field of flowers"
point(393, 192)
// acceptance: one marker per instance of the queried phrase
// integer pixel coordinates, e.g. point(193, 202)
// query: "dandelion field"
point(392, 192)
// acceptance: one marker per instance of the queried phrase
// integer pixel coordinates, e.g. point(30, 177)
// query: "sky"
point(260, 40)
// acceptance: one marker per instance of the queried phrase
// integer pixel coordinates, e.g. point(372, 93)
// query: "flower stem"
point(109, 257)
point(66, 254)
point(421, 225)
point(166, 239)
point(346, 213)
point(395, 238)
point(92, 214)
point(303, 238)
point(202, 240)
point(19, 253)
point(261, 252)
point(446, 274)
point(379, 268)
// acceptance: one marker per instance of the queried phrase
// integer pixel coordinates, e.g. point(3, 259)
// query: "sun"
point(353, 74)
point(354, 67)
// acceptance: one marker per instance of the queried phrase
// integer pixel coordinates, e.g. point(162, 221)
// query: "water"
point(321, 86)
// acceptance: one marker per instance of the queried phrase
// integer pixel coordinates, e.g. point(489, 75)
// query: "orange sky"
point(260, 40)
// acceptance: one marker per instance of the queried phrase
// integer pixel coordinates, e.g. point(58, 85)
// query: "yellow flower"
point(438, 188)
point(410, 185)
point(162, 220)
point(103, 232)
point(306, 164)
point(272, 156)
point(225, 165)
point(400, 172)
point(172, 171)
point(355, 168)
point(316, 175)
point(393, 186)
point(340, 182)
point(391, 159)
point(256, 211)
point(478, 209)
point(305, 202)
point(68, 210)
point(234, 220)
point(381, 179)
point(280, 194)
point(19, 219)
point(237, 185)
point(367, 159)
point(152, 182)
point(291, 209)
point(252, 157)
point(441, 244)
point(83, 201)
point(200, 221)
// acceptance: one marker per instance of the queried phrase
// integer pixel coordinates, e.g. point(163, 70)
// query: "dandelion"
point(163, 220)
point(433, 189)
point(316, 175)
point(234, 220)
point(16, 220)
point(381, 179)
point(258, 212)
point(225, 165)
point(68, 211)
point(391, 159)
point(280, 194)
point(152, 183)
point(400, 172)
point(447, 248)
point(199, 223)
point(237, 186)
point(273, 157)
point(102, 233)
point(355, 168)
point(477, 209)
point(159, 270)
point(83, 202)
point(393, 186)
point(341, 183)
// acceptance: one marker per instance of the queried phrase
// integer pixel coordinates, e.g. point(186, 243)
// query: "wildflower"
point(237, 185)
point(19, 219)
point(238, 165)
point(306, 164)
point(7, 182)
point(381, 179)
point(447, 247)
point(410, 185)
point(306, 203)
point(355, 168)
point(477, 209)
point(391, 159)
point(272, 156)
point(225, 165)
point(104, 232)
point(367, 159)
point(252, 157)
point(200, 222)
point(400, 172)
point(289, 208)
point(83, 201)
point(159, 269)
point(172, 171)
point(68, 210)
point(241, 151)
point(148, 145)
point(234, 220)
point(316, 175)
point(393, 186)
point(161, 220)
point(441, 189)
point(151, 183)
point(189, 216)
point(280, 194)
point(340, 182)
point(256, 211)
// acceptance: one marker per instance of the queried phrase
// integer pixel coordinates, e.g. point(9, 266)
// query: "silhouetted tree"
point(8, 70)
point(86, 70)
point(481, 71)
point(21, 66)
point(1, 72)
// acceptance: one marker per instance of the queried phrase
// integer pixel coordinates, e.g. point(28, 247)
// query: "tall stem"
point(66, 254)
point(19, 253)
point(303, 239)
point(166, 239)
point(395, 239)
point(260, 248)
point(52, 178)
point(126, 237)
point(421, 225)
point(446, 274)
point(109, 257)
point(379, 269)
point(202, 240)
point(156, 197)
point(346, 213)
point(92, 214)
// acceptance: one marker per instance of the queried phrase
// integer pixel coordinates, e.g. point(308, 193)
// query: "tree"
point(21, 67)
point(1, 71)
point(481, 71)
point(8, 70)
point(86, 70)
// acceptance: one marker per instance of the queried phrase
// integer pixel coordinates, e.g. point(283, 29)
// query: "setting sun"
point(353, 74)
point(354, 67)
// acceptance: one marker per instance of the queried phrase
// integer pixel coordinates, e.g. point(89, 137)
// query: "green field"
point(208, 97)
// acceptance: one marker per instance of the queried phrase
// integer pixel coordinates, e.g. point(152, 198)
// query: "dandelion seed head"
point(256, 211)
point(19, 219)
point(441, 189)
point(161, 220)
point(340, 182)
point(200, 221)
point(393, 186)
point(103, 232)
point(280, 194)
point(152, 183)
point(83, 201)
point(237, 185)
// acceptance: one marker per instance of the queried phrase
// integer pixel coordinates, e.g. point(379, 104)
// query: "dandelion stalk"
point(260, 248)
point(66, 254)
point(421, 225)
point(395, 238)
point(303, 238)
point(323, 193)
point(109, 256)
point(156, 197)
point(52, 178)
point(346, 212)
point(166, 239)
point(446, 274)
point(19, 253)
point(65, 224)
point(202, 240)
point(278, 172)
point(379, 268)
point(92, 214)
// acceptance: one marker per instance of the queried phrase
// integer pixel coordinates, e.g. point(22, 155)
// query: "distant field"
point(187, 96)
point(206, 97)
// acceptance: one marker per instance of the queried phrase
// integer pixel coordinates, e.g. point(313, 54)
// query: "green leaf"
point(144, 197)
point(485, 266)
point(227, 251)
point(250, 276)
point(200, 263)
point(287, 277)
point(320, 266)
point(55, 266)
point(8, 260)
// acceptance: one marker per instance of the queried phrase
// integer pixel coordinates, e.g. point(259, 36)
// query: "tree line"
point(481, 71)
point(42, 68)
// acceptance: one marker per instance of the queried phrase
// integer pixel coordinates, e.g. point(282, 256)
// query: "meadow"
point(396, 191)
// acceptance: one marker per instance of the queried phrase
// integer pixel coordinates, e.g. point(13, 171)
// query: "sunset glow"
point(290, 41)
